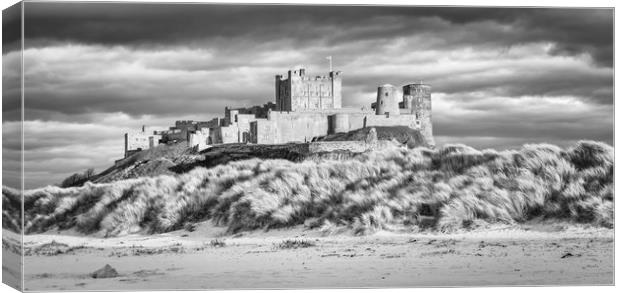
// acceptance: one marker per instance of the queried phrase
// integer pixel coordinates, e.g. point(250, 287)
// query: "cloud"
point(518, 71)
point(500, 77)
point(204, 25)
point(529, 119)
point(54, 150)
point(11, 28)
point(77, 79)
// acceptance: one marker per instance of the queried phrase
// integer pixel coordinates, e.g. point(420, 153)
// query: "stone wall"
point(199, 139)
point(351, 121)
point(258, 111)
point(182, 129)
point(174, 135)
point(243, 126)
point(417, 101)
point(298, 127)
point(235, 128)
point(351, 146)
point(137, 141)
point(330, 146)
point(283, 127)
point(215, 135)
point(229, 134)
point(390, 120)
point(263, 131)
point(215, 122)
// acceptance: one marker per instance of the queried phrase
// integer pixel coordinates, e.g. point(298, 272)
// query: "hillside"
point(159, 160)
point(170, 159)
point(401, 134)
point(453, 187)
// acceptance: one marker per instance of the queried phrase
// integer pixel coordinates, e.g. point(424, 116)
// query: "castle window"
point(381, 102)
point(386, 94)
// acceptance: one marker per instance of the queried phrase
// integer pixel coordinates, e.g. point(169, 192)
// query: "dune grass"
point(445, 189)
point(295, 244)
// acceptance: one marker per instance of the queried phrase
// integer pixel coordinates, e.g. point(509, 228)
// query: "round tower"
point(387, 100)
point(417, 101)
point(341, 122)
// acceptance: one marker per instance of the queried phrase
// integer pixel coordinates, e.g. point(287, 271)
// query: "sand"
point(504, 256)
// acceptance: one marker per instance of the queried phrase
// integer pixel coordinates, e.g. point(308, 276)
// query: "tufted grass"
point(445, 189)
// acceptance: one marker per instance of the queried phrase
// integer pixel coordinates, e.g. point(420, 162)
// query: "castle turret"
point(336, 80)
point(387, 100)
point(278, 93)
point(417, 101)
point(340, 123)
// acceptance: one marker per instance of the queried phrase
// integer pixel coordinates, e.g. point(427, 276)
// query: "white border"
point(510, 3)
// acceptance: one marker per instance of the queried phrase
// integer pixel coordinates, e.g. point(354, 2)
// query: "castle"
point(305, 107)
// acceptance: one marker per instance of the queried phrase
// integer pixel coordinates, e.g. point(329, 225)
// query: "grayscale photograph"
point(214, 146)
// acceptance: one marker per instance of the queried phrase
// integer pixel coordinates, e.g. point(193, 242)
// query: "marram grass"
point(445, 189)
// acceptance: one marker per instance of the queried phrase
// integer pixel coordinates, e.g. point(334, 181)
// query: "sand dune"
point(446, 189)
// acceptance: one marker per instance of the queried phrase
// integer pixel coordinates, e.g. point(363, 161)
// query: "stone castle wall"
point(417, 101)
point(352, 146)
point(283, 127)
point(137, 141)
point(199, 139)
point(298, 127)
point(331, 146)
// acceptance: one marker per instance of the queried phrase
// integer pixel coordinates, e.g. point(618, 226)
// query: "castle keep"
point(305, 107)
point(302, 93)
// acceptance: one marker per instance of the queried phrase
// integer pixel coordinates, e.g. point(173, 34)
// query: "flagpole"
point(330, 63)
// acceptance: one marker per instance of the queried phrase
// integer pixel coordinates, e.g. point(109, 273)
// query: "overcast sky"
point(500, 77)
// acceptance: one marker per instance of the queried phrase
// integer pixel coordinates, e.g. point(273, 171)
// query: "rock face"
point(402, 134)
point(106, 272)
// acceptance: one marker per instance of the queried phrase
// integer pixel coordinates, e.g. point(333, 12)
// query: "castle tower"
point(387, 100)
point(336, 80)
point(300, 92)
point(278, 93)
point(417, 101)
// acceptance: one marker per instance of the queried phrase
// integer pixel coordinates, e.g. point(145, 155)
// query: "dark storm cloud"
point(572, 31)
point(11, 28)
point(11, 87)
point(501, 77)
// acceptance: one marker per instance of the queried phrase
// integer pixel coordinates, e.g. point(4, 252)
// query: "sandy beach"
point(298, 258)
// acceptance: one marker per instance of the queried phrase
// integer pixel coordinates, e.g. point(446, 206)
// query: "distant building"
point(305, 108)
point(140, 140)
